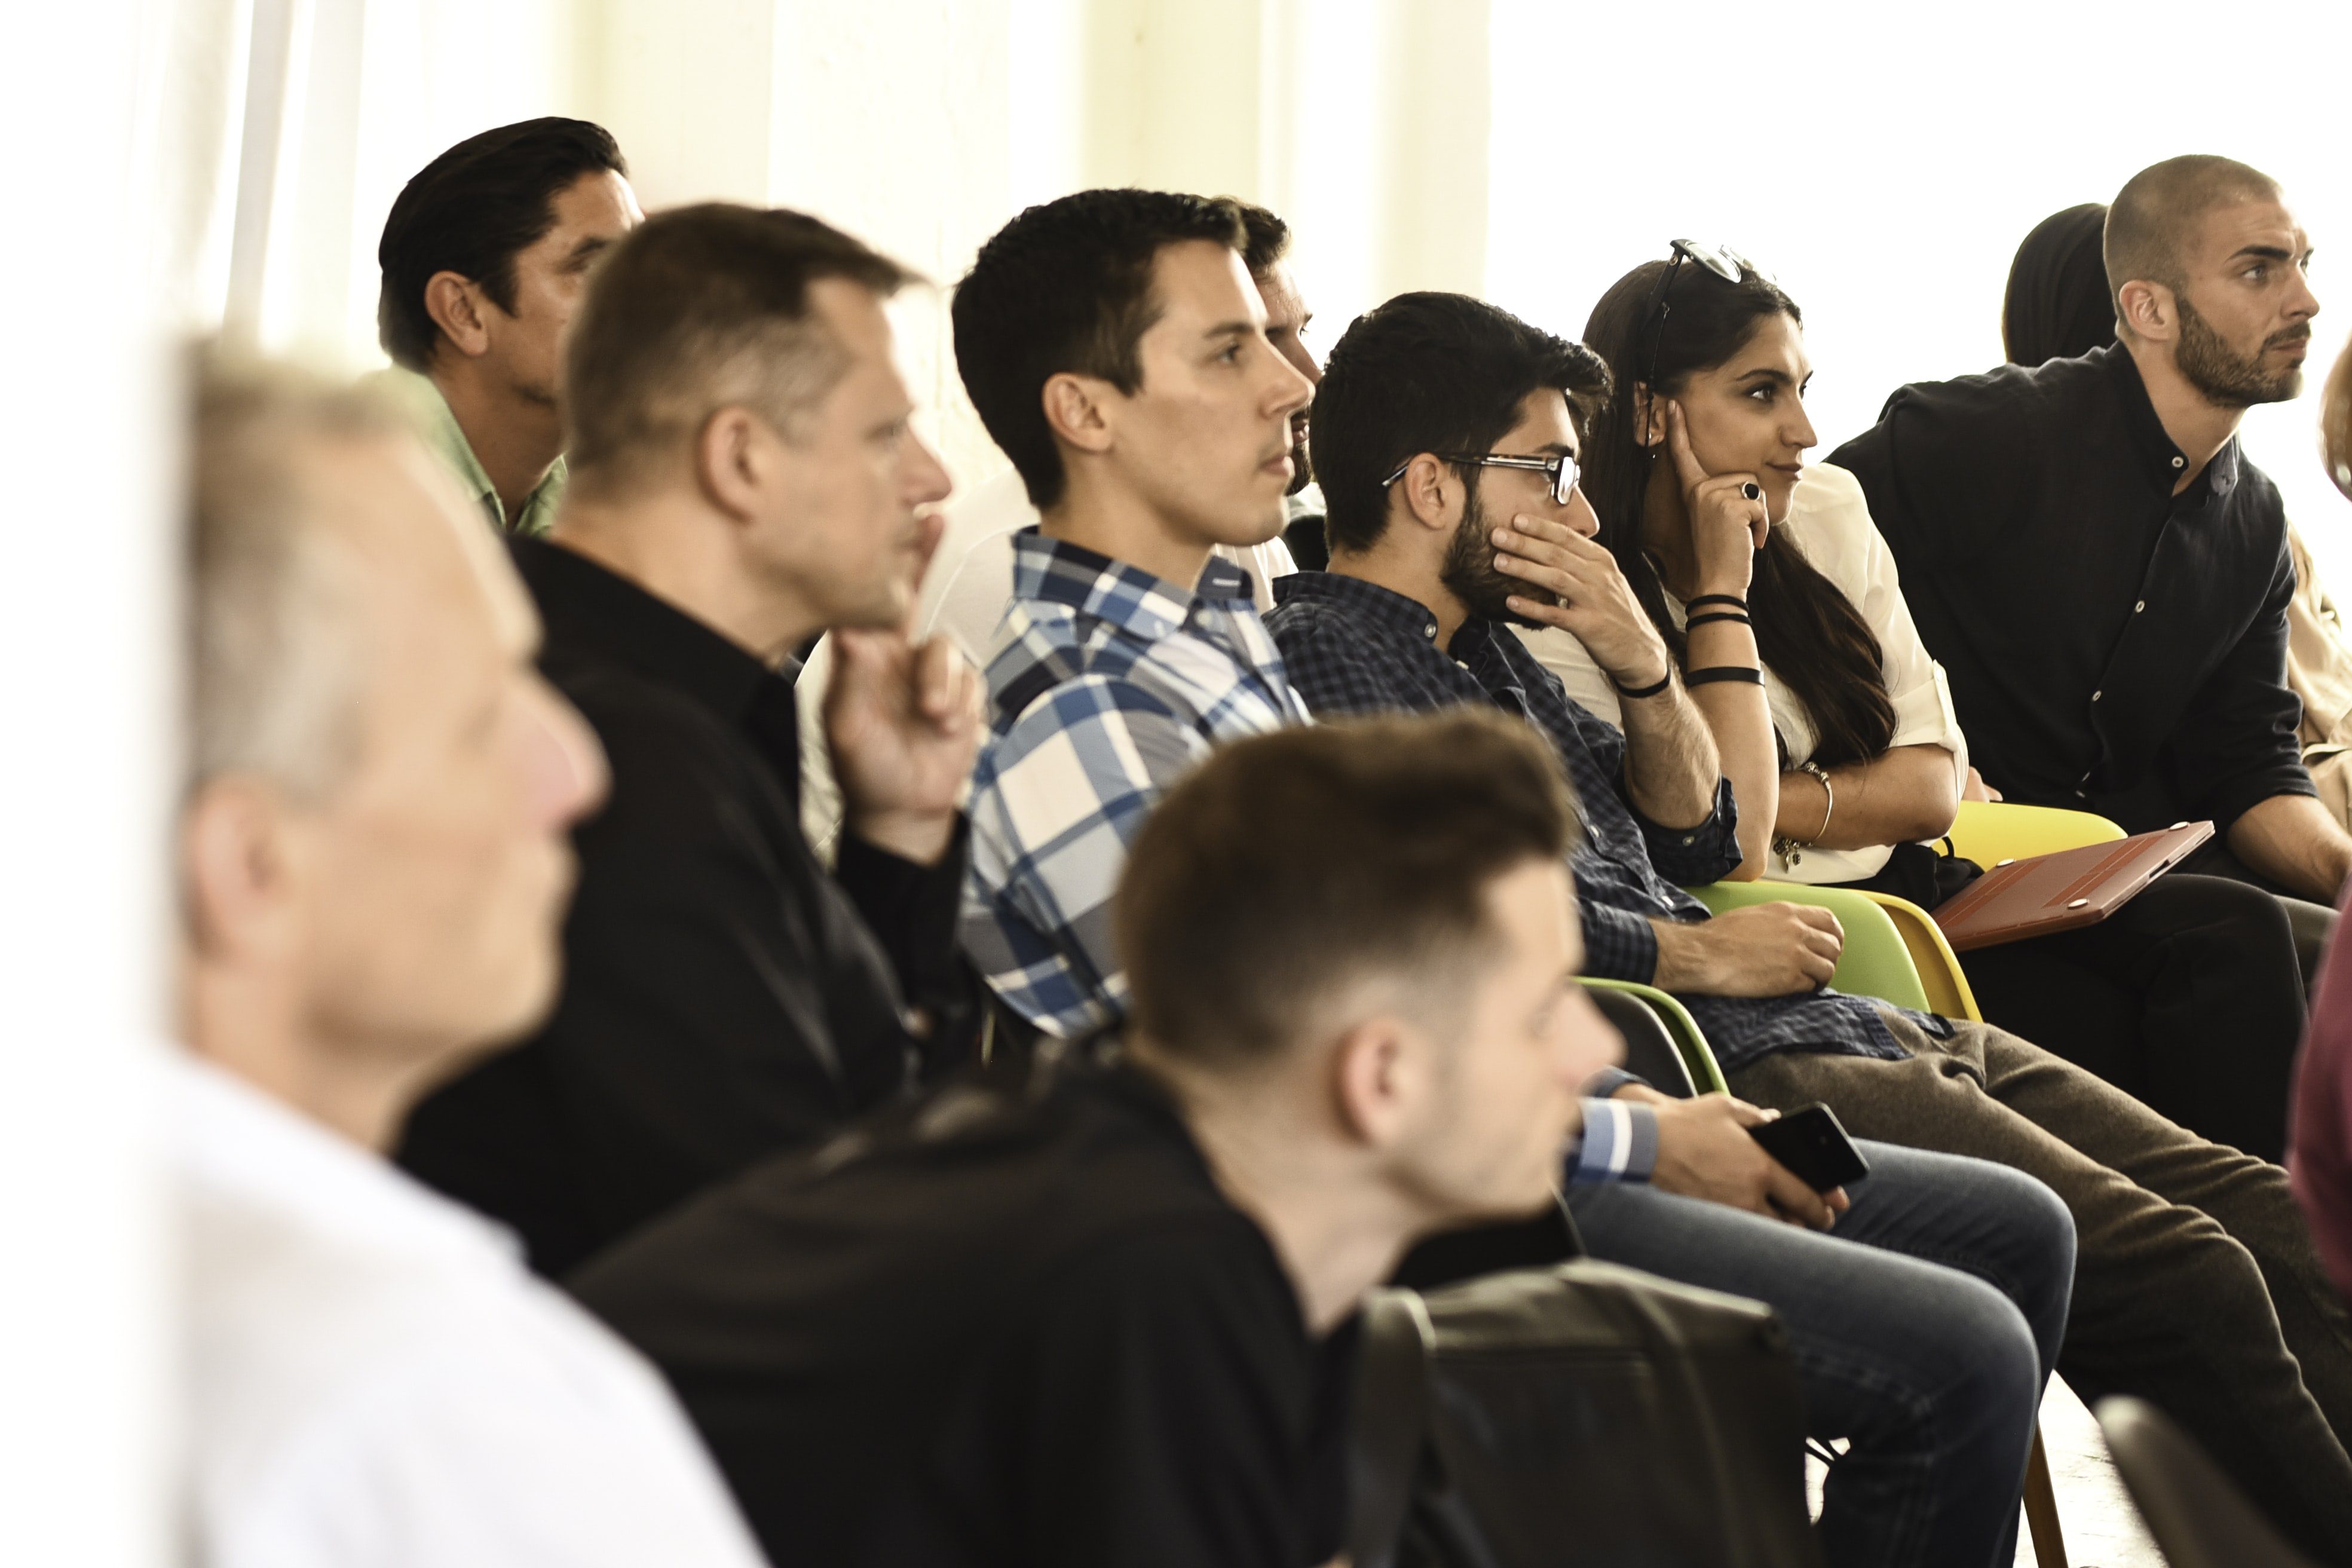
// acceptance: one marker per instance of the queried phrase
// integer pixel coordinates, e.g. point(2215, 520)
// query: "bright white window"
point(1884, 161)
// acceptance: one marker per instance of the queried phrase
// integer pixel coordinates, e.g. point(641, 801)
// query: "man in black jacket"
point(743, 476)
point(1102, 1319)
point(2100, 571)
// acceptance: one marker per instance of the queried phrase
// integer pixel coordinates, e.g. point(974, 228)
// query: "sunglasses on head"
point(1720, 260)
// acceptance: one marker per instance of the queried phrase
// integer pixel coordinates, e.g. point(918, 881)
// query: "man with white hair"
point(372, 866)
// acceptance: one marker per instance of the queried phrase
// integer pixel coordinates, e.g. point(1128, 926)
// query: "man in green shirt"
point(484, 256)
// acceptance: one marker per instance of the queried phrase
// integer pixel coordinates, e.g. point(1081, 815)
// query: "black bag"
point(1582, 1413)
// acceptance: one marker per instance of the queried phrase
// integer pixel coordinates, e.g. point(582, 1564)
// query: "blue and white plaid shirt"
point(1105, 685)
point(1355, 648)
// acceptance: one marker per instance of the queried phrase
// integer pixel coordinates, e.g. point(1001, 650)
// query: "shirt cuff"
point(914, 911)
point(1692, 856)
point(1620, 1142)
point(1618, 943)
point(1605, 1084)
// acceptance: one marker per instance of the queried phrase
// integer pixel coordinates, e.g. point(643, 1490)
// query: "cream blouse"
point(1829, 520)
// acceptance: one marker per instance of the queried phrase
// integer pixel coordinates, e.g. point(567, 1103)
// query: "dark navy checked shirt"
point(1354, 648)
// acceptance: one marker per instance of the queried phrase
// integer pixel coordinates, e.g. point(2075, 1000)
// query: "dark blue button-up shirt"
point(1353, 647)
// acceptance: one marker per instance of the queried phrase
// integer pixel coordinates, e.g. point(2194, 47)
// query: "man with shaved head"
point(2100, 569)
point(372, 870)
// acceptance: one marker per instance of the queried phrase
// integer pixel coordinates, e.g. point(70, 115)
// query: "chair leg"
point(2041, 1509)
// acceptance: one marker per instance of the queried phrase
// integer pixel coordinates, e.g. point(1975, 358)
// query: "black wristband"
point(1698, 621)
point(1732, 599)
point(1635, 694)
point(1715, 672)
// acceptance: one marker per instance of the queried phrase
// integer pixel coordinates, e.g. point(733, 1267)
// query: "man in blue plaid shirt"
point(1447, 435)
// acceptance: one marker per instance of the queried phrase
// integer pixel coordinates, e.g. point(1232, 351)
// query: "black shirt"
point(1014, 1324)
point(2111, 646)
point(723, 998)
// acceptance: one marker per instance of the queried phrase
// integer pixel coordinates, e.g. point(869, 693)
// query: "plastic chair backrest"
point(1706, 1075)
point(1989, 832)
point(2196, 1512)
point(1651, 1051)
point(1877, 961)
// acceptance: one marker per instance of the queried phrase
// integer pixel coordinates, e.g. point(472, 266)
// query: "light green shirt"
point(441, 432)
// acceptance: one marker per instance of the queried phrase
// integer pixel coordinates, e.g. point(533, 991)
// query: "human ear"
point(733, 461)
point(239, 878)
point(2148, 309)
point(1649, 423)
point(1377, 1079)
point(455, 304)
point(1427, 486)
point(1077, 410)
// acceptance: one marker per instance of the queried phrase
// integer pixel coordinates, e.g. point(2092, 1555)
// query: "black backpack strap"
point(1391, 1423)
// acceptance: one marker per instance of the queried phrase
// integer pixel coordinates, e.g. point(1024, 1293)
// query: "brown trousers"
point(2196, 1285)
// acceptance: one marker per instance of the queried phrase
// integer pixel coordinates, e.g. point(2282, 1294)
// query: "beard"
point(1302, 473)
point(1470, 575)
point(2226, 378)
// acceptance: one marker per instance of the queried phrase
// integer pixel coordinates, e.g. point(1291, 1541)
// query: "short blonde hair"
point(2336, 422)
point(276, 641)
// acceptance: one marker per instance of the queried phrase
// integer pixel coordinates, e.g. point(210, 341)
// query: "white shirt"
point(965, 593)
point(376, 1379)
point(1829, 520)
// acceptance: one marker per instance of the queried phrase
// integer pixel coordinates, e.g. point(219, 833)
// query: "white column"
point(85, 639)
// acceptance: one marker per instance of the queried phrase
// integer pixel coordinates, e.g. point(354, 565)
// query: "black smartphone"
point(1812, 1144)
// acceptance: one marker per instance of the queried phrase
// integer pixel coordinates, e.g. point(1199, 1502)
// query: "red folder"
point(2065, 891)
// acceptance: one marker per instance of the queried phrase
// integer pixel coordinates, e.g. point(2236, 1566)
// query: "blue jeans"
point(1925, 1327)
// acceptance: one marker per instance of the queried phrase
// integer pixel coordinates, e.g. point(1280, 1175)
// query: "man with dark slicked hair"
point(1116, 349)
point(2100, 571)
point(484, 256)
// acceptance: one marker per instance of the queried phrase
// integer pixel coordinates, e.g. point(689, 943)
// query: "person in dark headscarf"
point(2058, 305)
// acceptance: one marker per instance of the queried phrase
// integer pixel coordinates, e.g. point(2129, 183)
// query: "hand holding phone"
point(1812, 1144)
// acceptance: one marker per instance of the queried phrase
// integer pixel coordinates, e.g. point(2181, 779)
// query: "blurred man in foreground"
point(1096, 1319)
point(372, 867)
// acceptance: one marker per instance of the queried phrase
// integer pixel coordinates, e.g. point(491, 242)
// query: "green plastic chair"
point(1687, 1035)
point(1877, 961)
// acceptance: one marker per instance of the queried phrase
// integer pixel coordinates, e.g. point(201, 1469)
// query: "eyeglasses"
point(1722, 261)
point(1561, 469)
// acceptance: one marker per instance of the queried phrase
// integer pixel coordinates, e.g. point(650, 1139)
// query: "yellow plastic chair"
point(1989, 832)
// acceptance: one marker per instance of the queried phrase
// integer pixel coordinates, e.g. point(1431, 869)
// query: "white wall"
point(85, 638)
point(1885, 161)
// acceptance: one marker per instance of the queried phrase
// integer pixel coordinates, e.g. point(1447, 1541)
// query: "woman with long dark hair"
point(2189, 997)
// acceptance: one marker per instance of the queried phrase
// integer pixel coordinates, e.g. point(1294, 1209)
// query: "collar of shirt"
point(1147, 611)
point(2162, 459)
point(237, 1140)
point(589, 609)
point(446, 437)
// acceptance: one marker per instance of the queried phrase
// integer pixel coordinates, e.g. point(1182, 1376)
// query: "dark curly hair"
point(1429, 373)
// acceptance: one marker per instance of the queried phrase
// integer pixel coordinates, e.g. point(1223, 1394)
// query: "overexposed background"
point(1885, 160)
point(193, 164)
